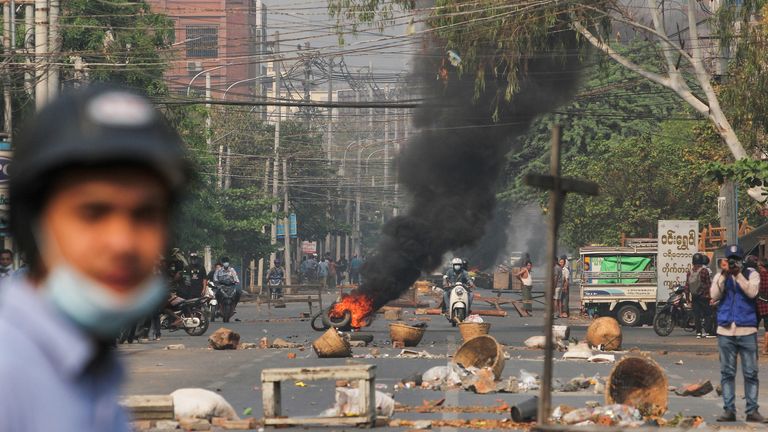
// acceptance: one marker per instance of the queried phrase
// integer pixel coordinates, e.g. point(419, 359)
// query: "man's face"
point(6, 259)
point(108, 224)
point(529, 266)
point(561, 263)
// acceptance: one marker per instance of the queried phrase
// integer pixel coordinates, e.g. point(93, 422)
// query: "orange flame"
point(359, 305)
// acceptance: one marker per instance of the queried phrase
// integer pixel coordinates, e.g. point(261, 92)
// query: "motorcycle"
point(675, 312)
point(213, 305)
point(458, 304)
point(227, 297)
point(275, 285)
point(193, 316)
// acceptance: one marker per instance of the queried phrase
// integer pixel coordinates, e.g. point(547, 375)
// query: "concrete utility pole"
point(558, 187)
point(398, 116)
point(329, 155)
point(260, 282)
point(41, 53)
point(386, 150)
point(54, 46)
point(7, 48)
point(286, 224)
point(29, 46)
point(276, 163)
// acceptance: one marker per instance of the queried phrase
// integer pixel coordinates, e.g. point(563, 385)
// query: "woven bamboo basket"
point(605, 331)
point(332, 345)
point(410, 336)
point(471, 330)
point(481, 351)
point(639, 382)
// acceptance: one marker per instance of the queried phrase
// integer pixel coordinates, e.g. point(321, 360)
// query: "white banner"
point(308, 247)
point(678, 241)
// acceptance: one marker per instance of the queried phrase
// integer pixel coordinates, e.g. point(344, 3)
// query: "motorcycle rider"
point(697, 283)
point(456, 273)
point(276, 274)
point(737, 287)
point(195, 277)
point(97, 175)
point(227, 275)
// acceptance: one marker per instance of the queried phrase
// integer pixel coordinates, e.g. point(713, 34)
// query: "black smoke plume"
point(451, 166)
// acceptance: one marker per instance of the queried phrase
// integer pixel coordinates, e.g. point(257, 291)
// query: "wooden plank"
point(270, 395)
point(482, 312)
point(324, 421)
point(355, 372)
point(520, 310)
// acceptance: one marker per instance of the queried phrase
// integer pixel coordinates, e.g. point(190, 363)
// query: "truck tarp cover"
point(628, 264)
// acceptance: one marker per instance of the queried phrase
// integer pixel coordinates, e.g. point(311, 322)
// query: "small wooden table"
point(365, 375)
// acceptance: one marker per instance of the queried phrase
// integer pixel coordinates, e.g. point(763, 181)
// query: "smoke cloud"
point(451, 166)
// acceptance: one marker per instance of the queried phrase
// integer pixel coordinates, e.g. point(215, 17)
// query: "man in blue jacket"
point(736, 288)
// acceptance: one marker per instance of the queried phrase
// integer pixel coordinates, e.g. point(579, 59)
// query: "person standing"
point(762, 300)
point(558, 282)
point(354, 269)
point(697, 284)
point(195, 277)
point(341, 270)
point(566, 288)
point(97, 176)
point(526, 277)
point(736, 288)
point(322, 273)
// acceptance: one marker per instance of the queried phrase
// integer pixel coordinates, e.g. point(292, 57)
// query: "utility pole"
point(386, 152)
point(29, 46)
point(227, 168)
point(7, 45)
point(41, 51)
point(265, 186)
point(329, 150)
point(286, 224)
point(398, 116)
point(54, 46)
point(276, 162)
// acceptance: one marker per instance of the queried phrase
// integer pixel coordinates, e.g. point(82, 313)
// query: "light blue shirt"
point(52, 375)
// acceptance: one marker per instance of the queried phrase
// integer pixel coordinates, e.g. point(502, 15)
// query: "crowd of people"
point(330, 272)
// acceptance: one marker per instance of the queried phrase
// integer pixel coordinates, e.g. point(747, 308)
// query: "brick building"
point(227, 37)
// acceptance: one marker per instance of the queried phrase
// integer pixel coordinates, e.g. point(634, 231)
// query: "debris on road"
point(578, 351)
point(526, 411)
point(247, 345)
point(638, 382)
point(407, 353)
point(332, 345)
point(202, 404)
point(358, 344)
point(223, 339)
point(610, 415)
point(679, 363)
point(393, 314)
point(602, 358)
point(264, 343)
point(464, 424)
point(480, 381)
point(347, 404)
point(528, 381)
point(537, 342)
point(174, 347)
point(407, 335)
point(510, 385)
point(194, 424)
point(695, 390)
point(282, 343)
point(291, 356)
point(438, 376)
point(605, 334)
point(480, 352)
point(149, 407)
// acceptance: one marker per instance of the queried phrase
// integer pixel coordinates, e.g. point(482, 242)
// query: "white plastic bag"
point(528, 380)
point(201, 403)
point(474, 318)
point(348, 404)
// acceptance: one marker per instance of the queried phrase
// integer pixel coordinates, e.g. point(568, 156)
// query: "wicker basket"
point(471, 330)
point(410, 336)
point(332, 345)
point(605, 331)
point(639, 382)
point(481, 351)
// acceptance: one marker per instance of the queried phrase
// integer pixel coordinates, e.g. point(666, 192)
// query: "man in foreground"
point(96, 176)
point(736, 288)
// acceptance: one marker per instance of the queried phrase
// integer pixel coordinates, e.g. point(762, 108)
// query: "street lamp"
point(242, 81)
point(189, 86)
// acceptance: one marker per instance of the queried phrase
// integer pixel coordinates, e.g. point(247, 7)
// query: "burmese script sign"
point(678, 241)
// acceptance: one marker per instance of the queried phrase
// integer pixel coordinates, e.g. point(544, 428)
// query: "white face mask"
point(97, 309)
point(226, 265)
point(456, 267)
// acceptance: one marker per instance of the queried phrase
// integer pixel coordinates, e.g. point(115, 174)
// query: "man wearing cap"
point(96, 175)
point(736, 288)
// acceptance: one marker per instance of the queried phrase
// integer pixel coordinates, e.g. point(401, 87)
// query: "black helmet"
point(706, 260)
point(98, 126)
point(699, 259)
point(734, 251)
point(224, 259)
point(750, 262)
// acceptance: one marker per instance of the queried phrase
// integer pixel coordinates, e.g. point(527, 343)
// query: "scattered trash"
point(223, 339)
point(357, 344)
point(602, 358)
point(443, 375)
point(682, 422)
point(248, 411)
point(539, 342)
point(578, 351)
point(528, 381)
point(480, 381)
point(264, 343)
point(291, 356)
point(474, 318)
point(175, 347)
point(576, 384)
point(605, 332)
point(610, 415)
point(639, 382)
point(300, 384)
point(526, 411)
point(282, 343)
point(679, 362)
point(695, 390)
point(347, 404)
point(510, 385)
point(247, 345)
point(201, 403)
point(561, 332)
point(406, 353)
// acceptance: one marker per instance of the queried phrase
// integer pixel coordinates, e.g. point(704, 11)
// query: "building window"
point(202, 41)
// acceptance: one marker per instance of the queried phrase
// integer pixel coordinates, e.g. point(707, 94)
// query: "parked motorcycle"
point(193, 316)
point(675, 312)
point(227, 297)
point(458, 304)
point(213, 305)
point(275, 285)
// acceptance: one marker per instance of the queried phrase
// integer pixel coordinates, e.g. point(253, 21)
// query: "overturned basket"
point(332, 345)
point(471, 330)
point(481, 351)
point(639, 382)
point(410, 336)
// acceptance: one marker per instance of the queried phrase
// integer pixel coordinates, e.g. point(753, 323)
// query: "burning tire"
point(344, 322)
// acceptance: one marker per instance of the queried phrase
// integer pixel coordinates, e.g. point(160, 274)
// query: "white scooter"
point(458, 304)
point(213, 304)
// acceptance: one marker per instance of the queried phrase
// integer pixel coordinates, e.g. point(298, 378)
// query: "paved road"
point(236, 374)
